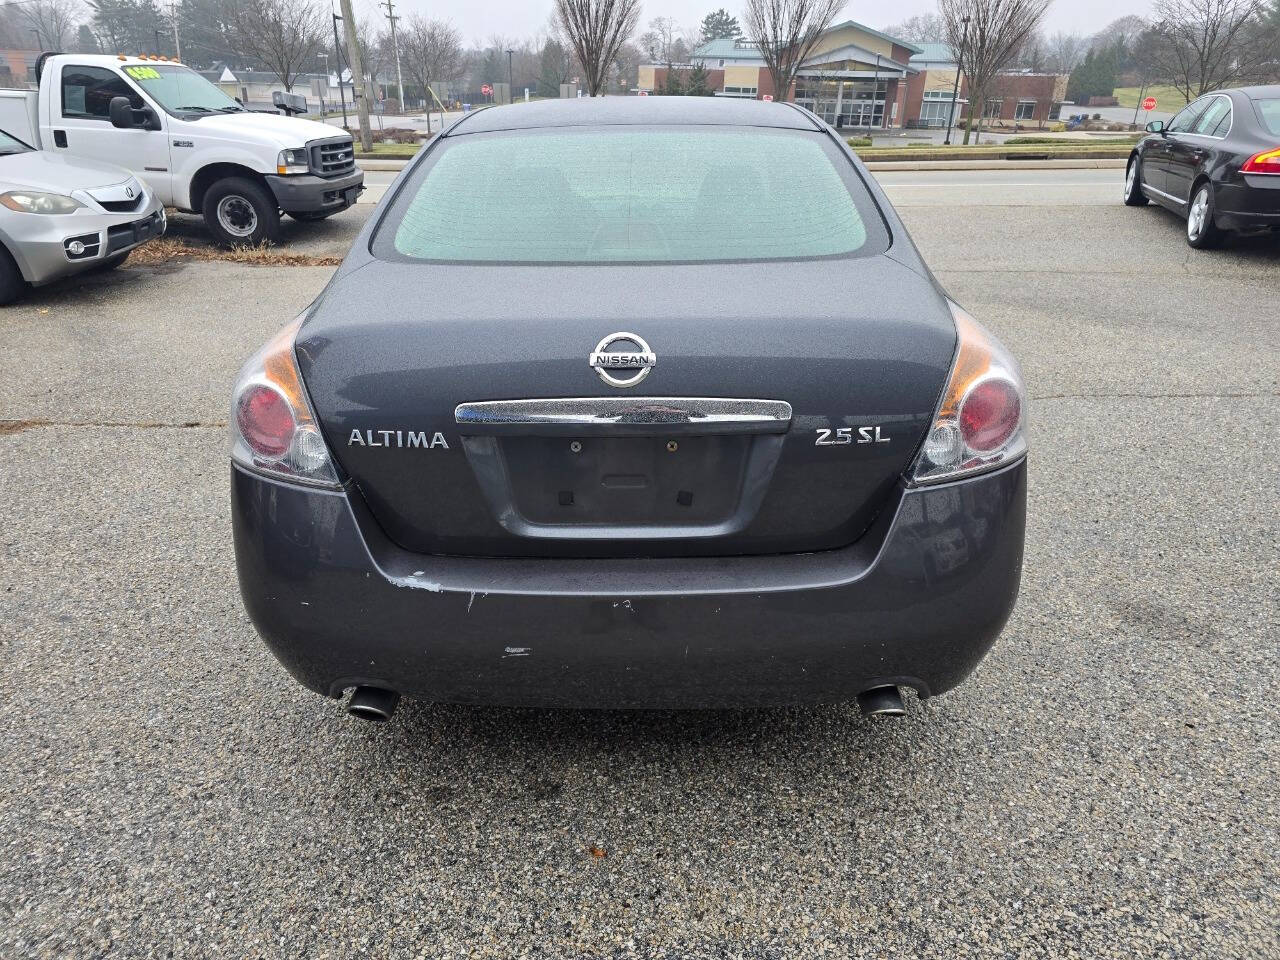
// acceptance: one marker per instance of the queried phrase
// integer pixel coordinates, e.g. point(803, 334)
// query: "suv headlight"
point(30, 201)
point(293, 161)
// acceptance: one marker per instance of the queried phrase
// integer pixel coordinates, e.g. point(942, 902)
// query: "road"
point(1107, 784)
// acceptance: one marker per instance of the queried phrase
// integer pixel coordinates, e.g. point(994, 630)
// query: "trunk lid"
point(858, 350)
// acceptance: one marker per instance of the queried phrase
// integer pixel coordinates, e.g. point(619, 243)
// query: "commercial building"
point(855, 76)
point(1018, 98)
point(862, 78)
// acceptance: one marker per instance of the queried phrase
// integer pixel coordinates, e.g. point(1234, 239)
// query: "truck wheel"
point(12, 286)
point(241, 213)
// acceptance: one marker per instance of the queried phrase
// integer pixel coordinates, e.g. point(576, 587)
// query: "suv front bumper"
point(304, 193)
point(917, 601)
point(39, 242)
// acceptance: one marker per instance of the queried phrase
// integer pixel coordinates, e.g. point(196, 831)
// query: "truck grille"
point(333, 158)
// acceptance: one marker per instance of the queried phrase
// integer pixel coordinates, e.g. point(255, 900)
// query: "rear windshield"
point(632, 194)
point(1269, 111)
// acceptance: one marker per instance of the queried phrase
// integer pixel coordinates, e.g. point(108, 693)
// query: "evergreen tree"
point(698, 85)
point(720, 25)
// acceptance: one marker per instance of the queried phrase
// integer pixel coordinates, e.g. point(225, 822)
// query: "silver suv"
point(61, 215)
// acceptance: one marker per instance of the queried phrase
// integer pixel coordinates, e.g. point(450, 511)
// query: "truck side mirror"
point(121, 113)
point(124, 116)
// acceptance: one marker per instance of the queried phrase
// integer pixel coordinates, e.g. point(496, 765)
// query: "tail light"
point(272, 428)
point(981, 421)
point(1268, 161)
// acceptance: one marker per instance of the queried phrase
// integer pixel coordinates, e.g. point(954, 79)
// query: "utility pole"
point(955, 89)
point(157, 42)
point(337, 54)
point(359, 89)
point(395, 52)
point(511, 94)
point(173, 19)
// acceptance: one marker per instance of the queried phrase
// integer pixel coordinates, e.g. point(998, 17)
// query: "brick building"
point(861, 78)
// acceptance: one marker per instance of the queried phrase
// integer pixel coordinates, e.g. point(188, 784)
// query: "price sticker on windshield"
point(143, 73)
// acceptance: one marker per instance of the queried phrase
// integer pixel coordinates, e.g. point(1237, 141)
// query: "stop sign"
point(1149, 103)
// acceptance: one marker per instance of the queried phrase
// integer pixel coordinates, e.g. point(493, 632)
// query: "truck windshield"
point(180, 89)
point(11, 144)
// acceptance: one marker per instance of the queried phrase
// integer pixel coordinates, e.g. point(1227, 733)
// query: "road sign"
point(644, 93)
point(486, 89)
point(767, 96)
point(1149, 104)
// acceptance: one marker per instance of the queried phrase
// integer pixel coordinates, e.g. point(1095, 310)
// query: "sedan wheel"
point(1202, 232)
point(1133, 195)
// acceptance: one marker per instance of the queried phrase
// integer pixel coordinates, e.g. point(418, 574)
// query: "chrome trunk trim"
point(624, 415)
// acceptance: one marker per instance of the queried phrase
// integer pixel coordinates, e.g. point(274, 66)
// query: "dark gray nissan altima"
point(631, 403)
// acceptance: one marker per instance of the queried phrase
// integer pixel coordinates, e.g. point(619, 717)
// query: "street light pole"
point(511, 94)
point(337, 53)
point(955, 90)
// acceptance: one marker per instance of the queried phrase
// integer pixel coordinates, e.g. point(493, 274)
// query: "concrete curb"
point(1063, 164)
point(395, 166)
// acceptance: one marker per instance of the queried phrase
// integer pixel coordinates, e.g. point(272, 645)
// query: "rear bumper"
point(917, 601)
point(310, 194)
point(1252, 203)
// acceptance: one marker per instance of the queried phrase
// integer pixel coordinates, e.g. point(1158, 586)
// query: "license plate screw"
point(672, 446)
point(575, 446)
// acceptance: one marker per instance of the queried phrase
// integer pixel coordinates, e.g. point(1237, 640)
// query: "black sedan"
point(1217, 163)
point(631, 403)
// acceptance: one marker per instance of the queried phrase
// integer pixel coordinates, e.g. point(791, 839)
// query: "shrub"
point(859, 141)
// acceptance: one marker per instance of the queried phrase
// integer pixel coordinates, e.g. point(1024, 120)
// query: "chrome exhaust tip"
point(373, 703)
point(881, 702)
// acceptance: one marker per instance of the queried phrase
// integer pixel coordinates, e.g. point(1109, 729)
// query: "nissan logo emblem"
point(622, 351)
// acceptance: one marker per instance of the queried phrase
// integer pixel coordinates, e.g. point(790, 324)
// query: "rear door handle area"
point(622, 416)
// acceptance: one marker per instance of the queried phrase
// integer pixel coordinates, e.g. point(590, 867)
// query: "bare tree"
point(996, 31)
point(786, 32)
point(56, 21)
point(282, 35)
point(597, 29)
point(665, 41)
point(922, 28)
point(1203, 45)
point(1065, 51)
point(431, 52)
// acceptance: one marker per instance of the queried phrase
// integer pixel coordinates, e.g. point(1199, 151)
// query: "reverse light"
point(31, 201)
point(273, 430)
point(1268, 161)
point(292, 161)
point(981, 420)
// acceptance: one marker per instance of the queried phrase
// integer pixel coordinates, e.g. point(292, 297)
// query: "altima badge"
point(623, 351)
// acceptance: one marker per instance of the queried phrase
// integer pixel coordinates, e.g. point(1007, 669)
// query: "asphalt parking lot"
point(1107, 784)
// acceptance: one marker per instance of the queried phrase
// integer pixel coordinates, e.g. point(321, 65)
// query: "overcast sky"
point(525, 18)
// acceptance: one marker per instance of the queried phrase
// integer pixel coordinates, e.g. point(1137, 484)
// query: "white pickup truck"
point(195, 147)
